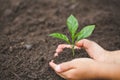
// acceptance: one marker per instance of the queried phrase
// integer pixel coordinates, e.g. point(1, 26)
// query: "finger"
point(61, 67)
point(55, 66)
point(92, 48)
point(65, 66)
point(64, 69)
point(84, 43)
point(88, 45)
point(68, 75)
point(62, 46)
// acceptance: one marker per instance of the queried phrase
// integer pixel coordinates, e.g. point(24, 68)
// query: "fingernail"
point(57, 68)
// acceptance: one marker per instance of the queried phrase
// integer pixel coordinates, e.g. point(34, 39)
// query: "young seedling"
point(72, 24)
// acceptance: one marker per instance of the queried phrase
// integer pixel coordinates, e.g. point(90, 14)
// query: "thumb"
point(84, 43)
point(93, 49)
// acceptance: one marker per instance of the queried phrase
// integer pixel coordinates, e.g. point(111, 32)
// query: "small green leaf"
point(60, 36)
point(85, 32)
point(72, 24)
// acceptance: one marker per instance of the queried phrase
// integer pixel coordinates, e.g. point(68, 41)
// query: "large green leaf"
point(72, 24)
point(60, 36)
point(85, 32)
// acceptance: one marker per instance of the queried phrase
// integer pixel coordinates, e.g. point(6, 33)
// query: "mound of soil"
point(26, 48)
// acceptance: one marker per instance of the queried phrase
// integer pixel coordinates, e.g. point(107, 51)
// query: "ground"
point(26, 48)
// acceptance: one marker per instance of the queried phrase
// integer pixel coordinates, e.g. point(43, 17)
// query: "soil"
point(26, 48)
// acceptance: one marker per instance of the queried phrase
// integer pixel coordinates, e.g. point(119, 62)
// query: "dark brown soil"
point(26, 49)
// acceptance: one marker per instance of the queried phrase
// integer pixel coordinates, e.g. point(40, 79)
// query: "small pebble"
point(7, 12)
point(11, 48)
point(28, 46)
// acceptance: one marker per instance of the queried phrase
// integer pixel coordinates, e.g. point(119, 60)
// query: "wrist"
point(113, 57)
point(107, 71)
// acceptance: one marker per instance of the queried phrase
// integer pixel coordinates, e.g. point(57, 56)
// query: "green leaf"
point(72, 24)
point(60, 36)
point(85, 32)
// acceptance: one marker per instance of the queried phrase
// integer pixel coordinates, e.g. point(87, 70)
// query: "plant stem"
point(73, 50)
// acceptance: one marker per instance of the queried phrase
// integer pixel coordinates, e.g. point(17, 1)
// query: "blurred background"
point(26, 49)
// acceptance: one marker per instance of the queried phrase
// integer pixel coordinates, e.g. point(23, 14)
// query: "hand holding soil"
point(102, 64)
